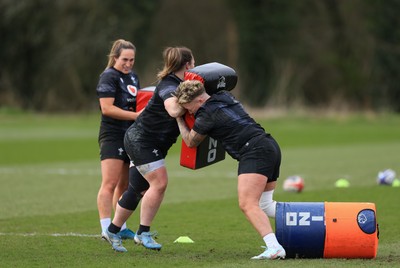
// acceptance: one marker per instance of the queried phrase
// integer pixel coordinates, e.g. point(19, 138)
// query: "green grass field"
point(50, 175)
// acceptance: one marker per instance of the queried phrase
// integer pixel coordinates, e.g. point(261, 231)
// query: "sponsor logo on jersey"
point(132, 90)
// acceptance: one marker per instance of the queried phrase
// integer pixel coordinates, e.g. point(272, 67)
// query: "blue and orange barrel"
point(327, 229)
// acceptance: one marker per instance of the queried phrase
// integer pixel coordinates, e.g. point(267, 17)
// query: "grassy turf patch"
point(49, 177)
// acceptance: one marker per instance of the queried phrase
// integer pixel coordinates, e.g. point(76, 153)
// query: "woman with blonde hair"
point(223, 118)
point(116, 91)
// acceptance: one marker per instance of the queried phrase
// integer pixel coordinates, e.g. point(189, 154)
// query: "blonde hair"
point(174, 59)
point(188, 90)
point(116, 50)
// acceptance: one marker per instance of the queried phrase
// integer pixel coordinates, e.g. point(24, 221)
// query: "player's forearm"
point(184, 129)
point(173, 108)
point(118, 113)
point(189, 136)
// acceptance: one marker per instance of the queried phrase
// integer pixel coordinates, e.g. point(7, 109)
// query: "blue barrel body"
point(300, 228)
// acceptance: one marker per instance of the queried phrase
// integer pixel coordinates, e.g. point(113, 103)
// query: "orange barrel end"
point(351, 230)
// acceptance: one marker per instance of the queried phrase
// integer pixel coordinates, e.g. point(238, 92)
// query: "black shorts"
point(113, 150)
point(261, 155)
point(142, 151)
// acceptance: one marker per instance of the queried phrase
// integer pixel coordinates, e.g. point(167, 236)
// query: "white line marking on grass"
point(56, 234)
point(50, 171)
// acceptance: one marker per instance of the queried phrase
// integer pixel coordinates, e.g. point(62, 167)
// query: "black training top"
point(223, 118)
point(154, 125)
point(123, 88)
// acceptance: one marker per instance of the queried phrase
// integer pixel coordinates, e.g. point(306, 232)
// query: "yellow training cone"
point(183, 239)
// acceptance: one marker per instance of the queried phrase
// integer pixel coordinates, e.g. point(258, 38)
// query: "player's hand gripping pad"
point(215, 77)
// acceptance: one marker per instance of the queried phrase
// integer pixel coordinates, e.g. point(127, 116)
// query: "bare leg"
point(158, 180)
point(113, 170)
point(121, 215)
point(250, 188)
point(122, 185)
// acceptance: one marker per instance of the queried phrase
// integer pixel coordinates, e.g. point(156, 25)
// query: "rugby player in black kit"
point(147, 143)
point(117, 90)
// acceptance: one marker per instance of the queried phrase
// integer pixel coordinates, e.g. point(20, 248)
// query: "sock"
point(123, 227)
point(113, 228)
point(267, 204)
point(271, 241)
point(104, 224)
point(143, 228)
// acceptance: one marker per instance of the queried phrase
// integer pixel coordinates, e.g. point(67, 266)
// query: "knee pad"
point(137, 181)
point(137, 185)
point(130, 199)
point(269, 208)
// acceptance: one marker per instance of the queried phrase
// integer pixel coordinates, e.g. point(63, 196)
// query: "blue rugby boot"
point(146, 239)
point(126, 234)
point(115, 241)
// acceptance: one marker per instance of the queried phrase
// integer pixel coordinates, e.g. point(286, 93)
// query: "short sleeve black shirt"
point(223, 118)
point(154, 123)
point(123, 88)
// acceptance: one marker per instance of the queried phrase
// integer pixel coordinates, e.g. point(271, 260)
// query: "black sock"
point(143, 228)
point(113, 228)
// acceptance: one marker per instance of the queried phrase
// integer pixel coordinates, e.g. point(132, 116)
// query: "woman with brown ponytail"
point(147, 143)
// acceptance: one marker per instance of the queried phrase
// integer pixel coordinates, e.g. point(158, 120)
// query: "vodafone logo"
point(132, 90)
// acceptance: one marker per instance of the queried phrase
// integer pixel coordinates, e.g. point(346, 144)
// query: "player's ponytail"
point(174, 59)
